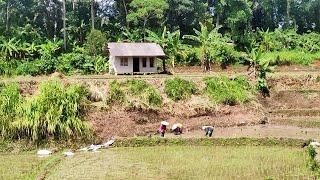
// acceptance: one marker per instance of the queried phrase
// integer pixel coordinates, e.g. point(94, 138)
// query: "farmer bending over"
point(208, 130)
point(177, 128)
point(163, 127)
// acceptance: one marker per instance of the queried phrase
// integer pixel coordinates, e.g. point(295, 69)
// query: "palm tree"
point(206, 40)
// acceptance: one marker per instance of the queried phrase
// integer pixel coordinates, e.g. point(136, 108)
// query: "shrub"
point(226, 91)
point(95, 43)
point(179, 89)
point(29, 68)
point(54, 113)
point(81, 63)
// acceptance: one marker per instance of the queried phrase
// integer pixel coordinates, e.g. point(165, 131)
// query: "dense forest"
point(43, 36)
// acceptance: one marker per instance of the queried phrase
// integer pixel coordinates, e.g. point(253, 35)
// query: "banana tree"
point(207, 41)
point(8, 48)
point(175, 47)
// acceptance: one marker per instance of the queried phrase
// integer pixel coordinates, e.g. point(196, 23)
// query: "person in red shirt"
point(163, 127)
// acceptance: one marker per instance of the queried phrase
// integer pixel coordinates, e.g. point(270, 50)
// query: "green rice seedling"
point(54, 113)
point(10, 100)
point(226, 91)
point(179, 89)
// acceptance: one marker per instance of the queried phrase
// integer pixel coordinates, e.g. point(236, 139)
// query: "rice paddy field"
point(164, 162)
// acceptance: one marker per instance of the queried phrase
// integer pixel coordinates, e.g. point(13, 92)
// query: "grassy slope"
point(187, 162)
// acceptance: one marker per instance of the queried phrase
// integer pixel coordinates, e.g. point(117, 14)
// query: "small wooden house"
point(134, 58)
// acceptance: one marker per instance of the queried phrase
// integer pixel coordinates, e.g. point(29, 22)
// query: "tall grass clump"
point(115, 95)
point(10, 100)
point(227, 91)
point(291, 57)
point(54, 113)
point(144, 91)
point(179, 89)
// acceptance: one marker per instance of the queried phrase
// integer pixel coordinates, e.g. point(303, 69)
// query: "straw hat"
point(176, 125)
point(165, 123)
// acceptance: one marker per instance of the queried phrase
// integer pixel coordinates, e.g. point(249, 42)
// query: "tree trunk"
point(218, 19)
point(144, 29)
point(64, 25)
point(164, 66)
point(288, 13)
point(92, 14)
point(7, 15)
point(74, 3)
point(126, 13)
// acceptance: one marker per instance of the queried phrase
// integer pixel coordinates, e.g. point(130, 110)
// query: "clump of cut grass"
point(227, 91)
point(137, 88)
point(179, 89)
point(115, 95)
point(10, 100)
point(54, 113)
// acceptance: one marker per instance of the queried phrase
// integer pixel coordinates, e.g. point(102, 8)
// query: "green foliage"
point(290, 57)
point(144, 91)
point(96, 42)
point(10, 100)
point(208, 41)
point(142, 11)
point(54, 113)
point(226, 91)
point(115, 94)
point(146, 94)
point(153, 97)
point(71, 63)
point(179, 89)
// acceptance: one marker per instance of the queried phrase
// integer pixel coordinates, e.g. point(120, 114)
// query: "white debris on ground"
point(315, 144)
point(91, 148)
point(109, 143)
point(95, 148)
point(68, 153)
point(44, 152)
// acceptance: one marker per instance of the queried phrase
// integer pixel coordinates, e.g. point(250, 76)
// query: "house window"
point(151, 62)
point(124, 62)
point(144, 62)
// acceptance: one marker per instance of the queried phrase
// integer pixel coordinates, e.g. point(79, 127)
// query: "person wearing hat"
point(163, 127)
point(177, 128)
point(208, 130)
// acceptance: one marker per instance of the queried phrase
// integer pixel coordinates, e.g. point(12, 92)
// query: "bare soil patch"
point(130, 123)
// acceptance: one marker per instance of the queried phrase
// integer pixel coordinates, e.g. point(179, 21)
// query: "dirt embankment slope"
point(292, 96)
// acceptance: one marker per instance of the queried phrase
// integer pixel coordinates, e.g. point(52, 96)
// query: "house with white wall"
point(134, 58)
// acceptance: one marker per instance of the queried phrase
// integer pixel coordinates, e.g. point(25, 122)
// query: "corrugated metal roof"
point(135, 49)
